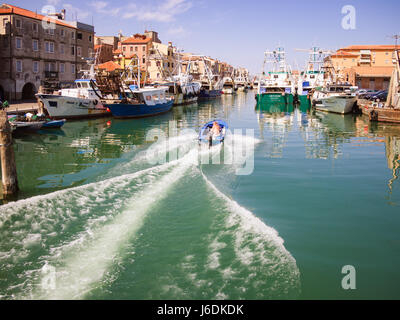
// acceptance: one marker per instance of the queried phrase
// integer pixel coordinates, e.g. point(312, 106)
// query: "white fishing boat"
point(313, 76)
point(228, 86)
point(181, 85)
point(83, 101)
point(337, 98)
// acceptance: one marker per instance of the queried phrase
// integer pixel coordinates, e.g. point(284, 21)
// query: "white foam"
point(86, 267)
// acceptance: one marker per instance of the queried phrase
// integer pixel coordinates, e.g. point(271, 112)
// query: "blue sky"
point(239, 31)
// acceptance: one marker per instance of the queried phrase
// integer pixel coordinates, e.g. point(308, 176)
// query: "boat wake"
point(103, 240)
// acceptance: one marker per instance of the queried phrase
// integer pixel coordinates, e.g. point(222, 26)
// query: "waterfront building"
point(163, 62)
point(103, 52)
point(366, 66)
point(32, 56)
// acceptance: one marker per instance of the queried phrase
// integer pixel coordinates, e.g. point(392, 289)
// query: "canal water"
point(135, 209)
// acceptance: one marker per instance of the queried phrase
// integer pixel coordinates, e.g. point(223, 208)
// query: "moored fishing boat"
point(180, 86)
point(277, 87)
point(133, 101)
point(83, 101)
point(142, 103)
point(228, 86)
point(337, 98)
point(312, 77)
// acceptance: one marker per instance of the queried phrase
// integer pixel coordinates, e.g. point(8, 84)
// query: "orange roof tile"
point(109, 66)
point(137, 38)
point(10, 9)
point(341, 53)
point(370, 47)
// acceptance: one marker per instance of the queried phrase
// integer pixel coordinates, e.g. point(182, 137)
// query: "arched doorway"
point(28, 91)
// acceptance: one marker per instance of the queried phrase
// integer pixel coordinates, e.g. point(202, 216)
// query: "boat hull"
point(337, 104)
point(271, 99)
point(381, 114)
point(180, 99)
point(121, 110)
point(63, 107)
point(304, 100)
point(209, 94)
point(228, 91)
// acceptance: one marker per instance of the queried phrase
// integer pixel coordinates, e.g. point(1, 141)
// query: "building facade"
point(366, 66)
point(39, 51)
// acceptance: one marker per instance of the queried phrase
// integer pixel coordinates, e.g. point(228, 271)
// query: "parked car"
point(372, 94)
point(361, 91)
point(382, 96)
point(367, 93)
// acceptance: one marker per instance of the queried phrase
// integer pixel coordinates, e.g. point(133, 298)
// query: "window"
point(5, 21)
point(144, 48)
point(90, 38)
point(62, 48)
point(72, 68)
point(79, 51)
point(144, 60)
point(131, 49)
point(136, 48)
point(79, 36)
point(123, 48)
point(62, 67)
point(35, 27)
point(18, 23)
point(73, 35)
point(18, 43)
point(49, 46)
point(35, 66)
point(35, 45)
point(51, 30)
point(73, 50)
point(19, 66)
point(62, 33)
point(50, 66)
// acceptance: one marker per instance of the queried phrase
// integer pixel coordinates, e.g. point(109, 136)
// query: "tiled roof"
point(136, 39)
point(10, 9)
point(370, 47)
point(341, 53)
point(109, 66)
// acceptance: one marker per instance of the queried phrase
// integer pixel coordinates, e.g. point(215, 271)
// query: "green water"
point(102, 215)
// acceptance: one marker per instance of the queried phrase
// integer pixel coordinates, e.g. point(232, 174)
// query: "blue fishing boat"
point(142, 103)
point(130, 100)
point(206, 135)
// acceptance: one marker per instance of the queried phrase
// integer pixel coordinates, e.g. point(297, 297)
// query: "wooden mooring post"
point(8, 167)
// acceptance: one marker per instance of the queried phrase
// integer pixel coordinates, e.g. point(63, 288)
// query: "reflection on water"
point(340, 174)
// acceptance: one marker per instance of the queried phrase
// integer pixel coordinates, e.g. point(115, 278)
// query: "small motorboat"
point(53, 124)
point(205, 135)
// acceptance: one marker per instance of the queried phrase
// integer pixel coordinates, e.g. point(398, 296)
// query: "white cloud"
point(177, 32)
point(164, 12)
point(104, 8)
